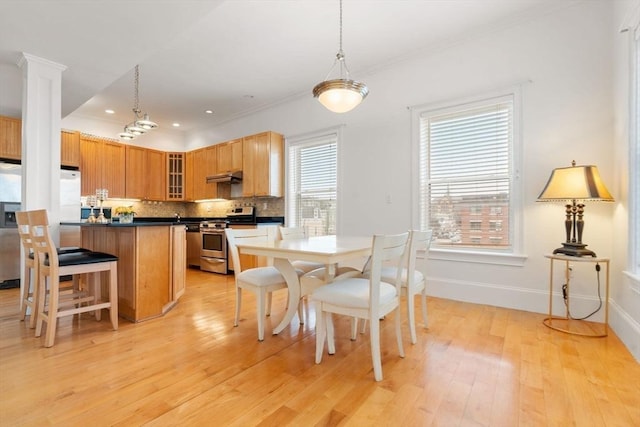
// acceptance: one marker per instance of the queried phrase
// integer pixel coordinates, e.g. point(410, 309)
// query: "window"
point(312, 177)
point(466, 173)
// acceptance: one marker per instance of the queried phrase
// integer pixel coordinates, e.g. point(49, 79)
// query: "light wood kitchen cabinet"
point(175, 176)
point(178, 261)
point(102, 163)
point(10, 138)
point(70, 148)
point(145, 171)
point(188, 176)
point(263, 165)
point(204, 165)
point(229, 156)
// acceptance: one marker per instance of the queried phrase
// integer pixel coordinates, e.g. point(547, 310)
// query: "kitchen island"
point(151, 263)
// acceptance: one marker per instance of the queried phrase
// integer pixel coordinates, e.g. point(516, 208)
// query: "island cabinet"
point(263, 165)
point(102, 164)
point(229, 156)
point(145, 174)
point(150, 279)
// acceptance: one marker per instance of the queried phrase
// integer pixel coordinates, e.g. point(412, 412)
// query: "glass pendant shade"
point(145, 123)
point(340, 95)
point(126, 135)
point(136, 130)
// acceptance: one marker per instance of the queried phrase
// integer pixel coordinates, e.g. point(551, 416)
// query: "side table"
point(549, 321)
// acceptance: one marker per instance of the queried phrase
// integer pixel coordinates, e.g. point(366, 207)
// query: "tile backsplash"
point(272, 206)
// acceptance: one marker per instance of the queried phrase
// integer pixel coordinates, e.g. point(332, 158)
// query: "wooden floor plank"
point(475, 365)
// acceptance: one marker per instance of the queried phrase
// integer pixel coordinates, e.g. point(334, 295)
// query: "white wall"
point(625, 299)
point(567, 114)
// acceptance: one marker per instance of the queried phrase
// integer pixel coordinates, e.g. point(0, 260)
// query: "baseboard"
point(537, 301)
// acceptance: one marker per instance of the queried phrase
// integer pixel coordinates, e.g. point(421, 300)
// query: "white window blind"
point(312, 178)
point(466, 174)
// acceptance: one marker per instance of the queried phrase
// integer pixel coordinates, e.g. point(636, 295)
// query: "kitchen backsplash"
point(264, 207)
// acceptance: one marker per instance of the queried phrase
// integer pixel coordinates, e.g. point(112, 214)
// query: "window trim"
point(515, 255)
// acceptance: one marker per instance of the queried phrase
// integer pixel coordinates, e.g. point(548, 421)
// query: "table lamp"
point(575, 184)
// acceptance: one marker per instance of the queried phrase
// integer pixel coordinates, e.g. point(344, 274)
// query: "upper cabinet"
point(229, 156)
point(102, 164)
point(70, 148)
point(10, 138)
point(175, 176)
point(11, 142)
point(146, 173)
point(263, 165)
point(204, 165)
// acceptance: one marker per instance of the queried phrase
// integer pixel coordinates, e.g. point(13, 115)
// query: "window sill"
point(634, 280)
point(514, 260)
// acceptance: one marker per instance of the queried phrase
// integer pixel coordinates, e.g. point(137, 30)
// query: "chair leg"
point(425, 318)
point(268, 301)
point(52, 318)
point(354, 328)
point(42, 296)
point(238, 304)
point(25, 290)
point(374, 333)
point(321, 332)
point(301, 311)
point(263, 298)
point(411, 314)
point(113, 295)
point(364, 326)
point(95, 292)
point(331, 341)
point(399, 331)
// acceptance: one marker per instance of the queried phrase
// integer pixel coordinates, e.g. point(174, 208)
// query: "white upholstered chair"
point(363, 298)
point(54, 302)
point(412, 284)
point(262, 281)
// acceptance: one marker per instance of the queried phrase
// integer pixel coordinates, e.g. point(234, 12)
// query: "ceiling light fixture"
point(342, 94)
point(141, 122)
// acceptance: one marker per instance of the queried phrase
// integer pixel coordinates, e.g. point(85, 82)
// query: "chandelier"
point(342, 94)
point(141, 122)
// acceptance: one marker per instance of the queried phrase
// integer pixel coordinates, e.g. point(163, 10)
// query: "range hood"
point(232, 177)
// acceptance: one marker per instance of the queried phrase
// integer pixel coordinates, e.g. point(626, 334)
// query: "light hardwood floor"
point(476, 365)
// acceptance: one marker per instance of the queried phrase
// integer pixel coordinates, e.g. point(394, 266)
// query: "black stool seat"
point(88, 257)
point(65, 250)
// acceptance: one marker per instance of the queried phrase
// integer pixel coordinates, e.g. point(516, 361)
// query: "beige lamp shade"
point(575, 183)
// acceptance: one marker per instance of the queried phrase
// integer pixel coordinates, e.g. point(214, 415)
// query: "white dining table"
point(328, 250)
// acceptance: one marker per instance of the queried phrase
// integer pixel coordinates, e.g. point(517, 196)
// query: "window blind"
point(312, 183)
point(465, 174)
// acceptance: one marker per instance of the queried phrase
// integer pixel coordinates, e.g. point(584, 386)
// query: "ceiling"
point(233, 57)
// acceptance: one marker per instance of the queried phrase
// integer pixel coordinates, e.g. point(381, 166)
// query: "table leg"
point(293, 283)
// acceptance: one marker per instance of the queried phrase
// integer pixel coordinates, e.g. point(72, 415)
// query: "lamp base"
point(574, 249)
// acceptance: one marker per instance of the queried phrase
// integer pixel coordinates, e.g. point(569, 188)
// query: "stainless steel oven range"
point(213, 249)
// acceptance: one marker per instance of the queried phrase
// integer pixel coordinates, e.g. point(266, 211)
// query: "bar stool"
point(28, 288)
point(52, 265)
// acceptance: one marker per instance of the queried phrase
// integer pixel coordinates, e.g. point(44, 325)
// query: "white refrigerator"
point(10, 199)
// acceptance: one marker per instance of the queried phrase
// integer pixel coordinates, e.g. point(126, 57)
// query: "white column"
point(41, 117)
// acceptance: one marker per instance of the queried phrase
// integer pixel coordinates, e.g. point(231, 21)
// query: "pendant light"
point(342, 94)
point(141, 123)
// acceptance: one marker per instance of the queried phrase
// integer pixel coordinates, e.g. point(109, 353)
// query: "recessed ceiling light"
point(109, 111)
point(208, 111)
point(176, 125)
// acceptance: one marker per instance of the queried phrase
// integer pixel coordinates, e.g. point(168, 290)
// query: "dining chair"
point(414, 283)
point(262, 281)
point(363, 298)
point(54, 302)
point(28, 286)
